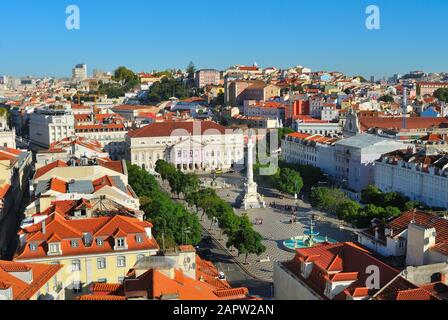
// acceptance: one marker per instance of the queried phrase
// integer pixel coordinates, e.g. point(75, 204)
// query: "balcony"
point(58, 287)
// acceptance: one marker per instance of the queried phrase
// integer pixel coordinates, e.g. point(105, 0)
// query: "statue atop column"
point(252, 199)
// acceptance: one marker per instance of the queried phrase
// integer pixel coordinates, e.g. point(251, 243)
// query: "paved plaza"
point(276, 226)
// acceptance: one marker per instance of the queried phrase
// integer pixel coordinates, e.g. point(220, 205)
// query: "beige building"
point(206, 77)
point(15, 168)
point(89, 250)
point(239, 91)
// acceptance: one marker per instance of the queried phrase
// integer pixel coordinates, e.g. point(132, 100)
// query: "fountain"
point(310, 238)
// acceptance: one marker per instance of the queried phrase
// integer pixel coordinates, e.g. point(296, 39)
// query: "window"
point(121, 242)
point(54, 248)
point(99, 242)
point(74, 243)
point(101, 263)
point(77, 287)
point(33, 247)
point(76, 265)
point(121, 262)
point(139, 239)
point(102, 280)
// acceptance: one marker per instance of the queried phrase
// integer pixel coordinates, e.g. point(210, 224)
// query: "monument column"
point(251, 199)
point(250, 161)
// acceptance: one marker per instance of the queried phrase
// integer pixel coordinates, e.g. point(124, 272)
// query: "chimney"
point(44, 227)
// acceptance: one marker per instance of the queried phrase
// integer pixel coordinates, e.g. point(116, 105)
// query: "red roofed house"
point(70, 147)
point(415, 238)
point(347, 271)
point(180, 275)
point(30, 281)
point(90, 250)
point(340, 271)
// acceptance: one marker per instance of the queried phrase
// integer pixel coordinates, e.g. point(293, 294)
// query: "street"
point(236, 276)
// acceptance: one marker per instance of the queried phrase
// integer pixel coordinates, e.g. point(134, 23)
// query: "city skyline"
point(217, 36)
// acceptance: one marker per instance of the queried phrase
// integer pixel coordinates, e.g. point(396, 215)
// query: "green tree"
point(246, 241)
point(395, 199)
point(191, 69)
point(392, 212)
point(290, 181)
point(387, 98)
point(176, 183)
point(368, 213)
point(169, 218)
point(190, 184)
point(127, 78)
point(372, 195)
point(167, 88)
point(348, 211)
point(441, 94)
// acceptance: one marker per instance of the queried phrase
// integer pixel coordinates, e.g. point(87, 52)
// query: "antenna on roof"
point(413, 216)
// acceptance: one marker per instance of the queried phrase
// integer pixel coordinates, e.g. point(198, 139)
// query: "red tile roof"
point(415, 294)
point(103, 228)
point(42, 273)
point(165, 129)
point(101, 298)
point(397, 123)
point(426, 219)
point(118, 166)
point(43, 170)
point(338, 262)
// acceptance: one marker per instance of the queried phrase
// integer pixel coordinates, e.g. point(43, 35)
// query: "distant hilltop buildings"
point(79, 72)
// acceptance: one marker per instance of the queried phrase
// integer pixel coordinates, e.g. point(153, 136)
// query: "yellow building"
point(90, 250)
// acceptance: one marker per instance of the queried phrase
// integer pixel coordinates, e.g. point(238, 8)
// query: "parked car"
point(221, 276)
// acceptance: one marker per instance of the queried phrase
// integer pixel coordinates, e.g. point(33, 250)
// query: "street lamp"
point(185, 231)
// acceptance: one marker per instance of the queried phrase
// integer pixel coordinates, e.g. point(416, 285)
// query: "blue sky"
point(150, 34)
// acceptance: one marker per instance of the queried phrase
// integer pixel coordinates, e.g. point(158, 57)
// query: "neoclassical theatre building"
point(201, 146)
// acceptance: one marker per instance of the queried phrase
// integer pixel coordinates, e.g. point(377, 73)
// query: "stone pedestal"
point(252, 199)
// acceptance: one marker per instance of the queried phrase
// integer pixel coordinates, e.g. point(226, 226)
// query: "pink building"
point(206, 77)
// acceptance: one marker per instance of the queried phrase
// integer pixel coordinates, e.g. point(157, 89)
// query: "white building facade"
point(410, 176)
point(314, 150)
point(201, 146)
point(355, 159)
point(50, 125)
point(111, 137)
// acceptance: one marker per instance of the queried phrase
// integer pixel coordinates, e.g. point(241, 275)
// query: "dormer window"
point(99, 242)
point(6, 294)
point(139, 238)
point(33, 247)
point(53, 248)
point(74, 243)
point(120, 243)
